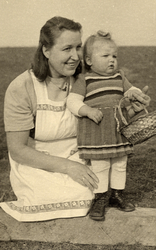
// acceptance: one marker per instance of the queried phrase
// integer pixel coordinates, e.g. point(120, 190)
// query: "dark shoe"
point(117, 200)
point(97, 210)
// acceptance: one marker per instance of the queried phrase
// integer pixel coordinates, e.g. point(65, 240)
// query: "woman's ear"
point(88, 61)
point(45, 52)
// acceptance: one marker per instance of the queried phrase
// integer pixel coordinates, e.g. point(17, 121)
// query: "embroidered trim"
point(51, 107)
point(50, 207)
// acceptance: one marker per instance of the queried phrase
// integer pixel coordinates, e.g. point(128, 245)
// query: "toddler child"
point(95, 98)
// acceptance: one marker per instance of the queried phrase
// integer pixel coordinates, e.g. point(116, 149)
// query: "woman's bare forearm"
point(23, 154)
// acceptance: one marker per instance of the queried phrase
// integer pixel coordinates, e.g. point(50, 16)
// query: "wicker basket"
point(140, 129)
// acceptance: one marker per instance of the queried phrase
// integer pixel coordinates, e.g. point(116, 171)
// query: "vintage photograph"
point(78, 124)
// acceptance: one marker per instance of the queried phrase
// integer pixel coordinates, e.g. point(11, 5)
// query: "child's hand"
point(140, 96)
point(95, 114)
point(137, 106)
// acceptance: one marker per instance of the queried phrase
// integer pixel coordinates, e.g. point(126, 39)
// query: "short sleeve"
point(79, 86)
point(19, 104)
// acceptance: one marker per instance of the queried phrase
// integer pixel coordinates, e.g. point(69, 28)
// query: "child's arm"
point(76, 105)
point(93, 113)
point(75, 101)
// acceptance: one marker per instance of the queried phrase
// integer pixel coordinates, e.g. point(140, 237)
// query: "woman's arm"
point(20, 152)
point(23, 154)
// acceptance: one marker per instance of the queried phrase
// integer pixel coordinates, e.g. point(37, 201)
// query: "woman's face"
point(65, 55)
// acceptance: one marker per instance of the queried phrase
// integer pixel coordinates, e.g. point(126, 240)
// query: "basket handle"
point(120, 111)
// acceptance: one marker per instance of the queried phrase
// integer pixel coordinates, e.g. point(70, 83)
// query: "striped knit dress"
point(100, 141)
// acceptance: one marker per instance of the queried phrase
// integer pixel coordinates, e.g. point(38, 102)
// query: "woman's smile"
point(72, 65)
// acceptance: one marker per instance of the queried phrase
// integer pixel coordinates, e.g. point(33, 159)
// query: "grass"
point(22, 245)
point(139, 66)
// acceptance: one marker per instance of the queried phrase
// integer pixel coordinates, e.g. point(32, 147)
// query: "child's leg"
point(118, 172)
point(101, 169)
point(117, 184)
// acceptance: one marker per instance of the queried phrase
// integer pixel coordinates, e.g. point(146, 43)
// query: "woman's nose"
point(74, 54)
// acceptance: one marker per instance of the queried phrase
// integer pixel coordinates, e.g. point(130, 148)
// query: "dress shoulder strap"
point(40, 89)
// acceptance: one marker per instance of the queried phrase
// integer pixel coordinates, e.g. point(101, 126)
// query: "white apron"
point(43, 195)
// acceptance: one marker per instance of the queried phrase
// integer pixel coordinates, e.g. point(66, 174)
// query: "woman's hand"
point(22, 153)
point(83, 175)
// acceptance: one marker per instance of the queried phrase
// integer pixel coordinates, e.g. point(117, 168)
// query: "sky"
point(130, 22)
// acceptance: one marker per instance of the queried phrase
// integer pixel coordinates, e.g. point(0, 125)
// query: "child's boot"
point(117, 200)
point(97, 210)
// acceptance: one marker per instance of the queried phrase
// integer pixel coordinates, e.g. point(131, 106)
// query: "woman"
point(47, 176)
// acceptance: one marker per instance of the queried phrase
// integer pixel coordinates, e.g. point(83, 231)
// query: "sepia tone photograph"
point(78, 124)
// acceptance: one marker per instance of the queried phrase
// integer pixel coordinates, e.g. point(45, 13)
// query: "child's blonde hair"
point(88, 45)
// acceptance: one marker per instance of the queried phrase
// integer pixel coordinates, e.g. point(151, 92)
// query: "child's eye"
point(114, 56)
point(105, 55)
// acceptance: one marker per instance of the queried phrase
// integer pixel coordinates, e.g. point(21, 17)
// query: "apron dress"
point(43, 195)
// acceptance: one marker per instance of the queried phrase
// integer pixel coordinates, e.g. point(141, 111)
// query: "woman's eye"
point(67, 49)
point(79, 47)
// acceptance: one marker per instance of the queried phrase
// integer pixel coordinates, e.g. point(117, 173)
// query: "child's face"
point(104, 58)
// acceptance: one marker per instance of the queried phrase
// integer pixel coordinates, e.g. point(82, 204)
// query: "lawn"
point(139, 66)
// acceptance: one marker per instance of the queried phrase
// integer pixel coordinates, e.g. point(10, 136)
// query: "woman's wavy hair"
point(48, 34)
point(88, 45)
